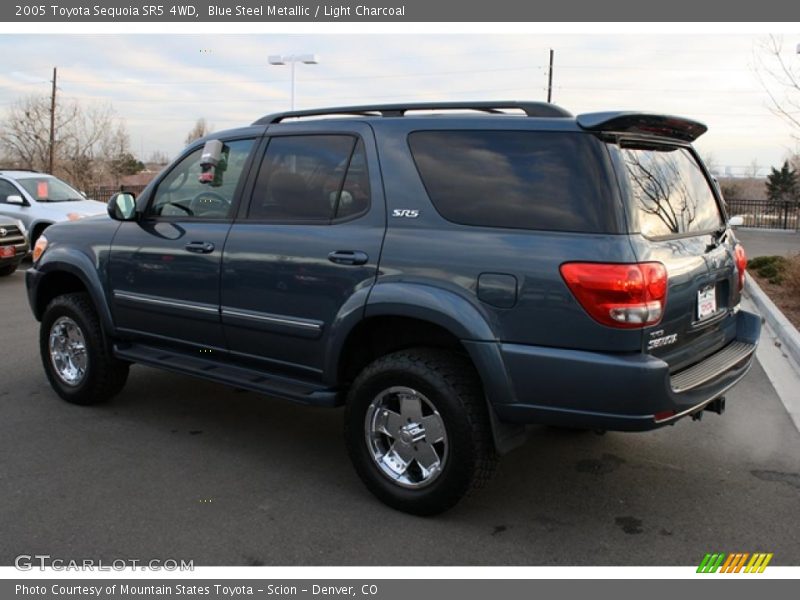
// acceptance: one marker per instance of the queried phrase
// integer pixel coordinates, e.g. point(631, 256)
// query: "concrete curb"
point(784, 330)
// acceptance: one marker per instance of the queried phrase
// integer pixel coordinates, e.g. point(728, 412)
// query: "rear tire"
point(75, 357)
point(417, 430)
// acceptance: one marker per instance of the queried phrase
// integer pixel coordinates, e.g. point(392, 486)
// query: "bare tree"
point(794, 160)
point(158, 157)
point(201, 128)
point(710, 161)
point(779, 75)
point(86, 138)
point(753, 169)
point(660, 190)
point(118, 158)
point(26, 131)
point(82, 157)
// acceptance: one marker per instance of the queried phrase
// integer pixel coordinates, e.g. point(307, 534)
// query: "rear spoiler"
point(667, 126)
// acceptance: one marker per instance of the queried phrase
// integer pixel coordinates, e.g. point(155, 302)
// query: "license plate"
point(706, 302)
point(7, 251)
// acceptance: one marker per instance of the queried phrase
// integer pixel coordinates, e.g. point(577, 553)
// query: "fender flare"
point(43, 223)
point(63, 259)
point(442, 307)
point(452, 312)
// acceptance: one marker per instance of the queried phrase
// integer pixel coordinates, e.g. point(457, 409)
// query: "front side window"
point(182, 194)
point(6, 190)
point(668, 192)
point(311, 178)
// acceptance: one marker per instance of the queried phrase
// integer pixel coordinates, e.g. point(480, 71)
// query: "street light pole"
point(292, 60)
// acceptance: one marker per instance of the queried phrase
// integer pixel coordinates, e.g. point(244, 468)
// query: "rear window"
point(517, 179)
point(669, 193)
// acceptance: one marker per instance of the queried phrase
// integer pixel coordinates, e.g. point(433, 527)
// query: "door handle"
point(348, 257)
point(200, 247)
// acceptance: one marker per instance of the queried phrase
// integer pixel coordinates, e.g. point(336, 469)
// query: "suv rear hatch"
point(675, 218)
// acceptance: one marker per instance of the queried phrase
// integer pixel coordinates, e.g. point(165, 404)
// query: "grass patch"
point(779, 277)
point(771, 268)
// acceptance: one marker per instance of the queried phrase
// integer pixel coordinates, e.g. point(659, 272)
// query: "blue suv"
point(450, 273)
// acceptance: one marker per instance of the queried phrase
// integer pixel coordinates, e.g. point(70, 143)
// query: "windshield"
point(669, 192)
point(50, 189)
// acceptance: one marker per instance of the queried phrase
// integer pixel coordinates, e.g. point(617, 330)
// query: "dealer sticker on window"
point(706, 302)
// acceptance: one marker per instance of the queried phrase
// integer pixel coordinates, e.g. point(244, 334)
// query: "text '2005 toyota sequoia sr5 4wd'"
point(448, 272)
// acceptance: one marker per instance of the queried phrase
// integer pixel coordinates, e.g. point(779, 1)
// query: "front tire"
point(417, 430)
point(76, 360)
point(7, 270)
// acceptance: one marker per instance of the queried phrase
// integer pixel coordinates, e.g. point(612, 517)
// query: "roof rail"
point(18, 169)
point(531, 109)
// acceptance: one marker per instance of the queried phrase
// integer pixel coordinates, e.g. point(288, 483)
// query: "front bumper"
point(627, 392)
point(19, 256)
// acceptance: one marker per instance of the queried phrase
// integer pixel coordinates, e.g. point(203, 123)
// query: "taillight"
point(627, 296)
point(741, 264)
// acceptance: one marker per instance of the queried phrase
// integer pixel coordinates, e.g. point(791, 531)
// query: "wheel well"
point(37, 231)
point(56, 284)
point(378, 336)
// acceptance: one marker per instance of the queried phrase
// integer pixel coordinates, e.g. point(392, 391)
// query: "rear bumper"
point(629, 392)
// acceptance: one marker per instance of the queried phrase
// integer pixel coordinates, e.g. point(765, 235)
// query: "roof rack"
point(18, 169)
point(531, 109)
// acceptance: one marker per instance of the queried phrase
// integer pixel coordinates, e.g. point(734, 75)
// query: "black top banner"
point(398, 11)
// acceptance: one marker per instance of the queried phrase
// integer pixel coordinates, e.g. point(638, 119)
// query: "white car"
point(39, 200)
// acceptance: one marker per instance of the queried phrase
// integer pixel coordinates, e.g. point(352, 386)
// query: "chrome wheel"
point(68, 351)
point(406, 437)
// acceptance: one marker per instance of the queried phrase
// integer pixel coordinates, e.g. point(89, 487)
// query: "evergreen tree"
point(782, 185)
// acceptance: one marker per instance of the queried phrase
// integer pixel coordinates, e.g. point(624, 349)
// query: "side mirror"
point(122, 207)
point(15, 199)
point(736, 221)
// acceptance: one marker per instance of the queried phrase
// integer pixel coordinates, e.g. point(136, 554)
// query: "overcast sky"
point(160, 84)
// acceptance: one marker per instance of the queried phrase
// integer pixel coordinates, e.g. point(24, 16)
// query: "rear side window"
point(668, 191)
point(517, 179)
point(6, 190)
point(311, 178)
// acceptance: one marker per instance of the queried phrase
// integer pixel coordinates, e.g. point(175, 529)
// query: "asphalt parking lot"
point(765, 243)
point(180, 468)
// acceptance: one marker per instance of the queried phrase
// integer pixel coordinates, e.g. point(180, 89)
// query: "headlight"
point(39, 248)
point(75, 216)
point(21, 226)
